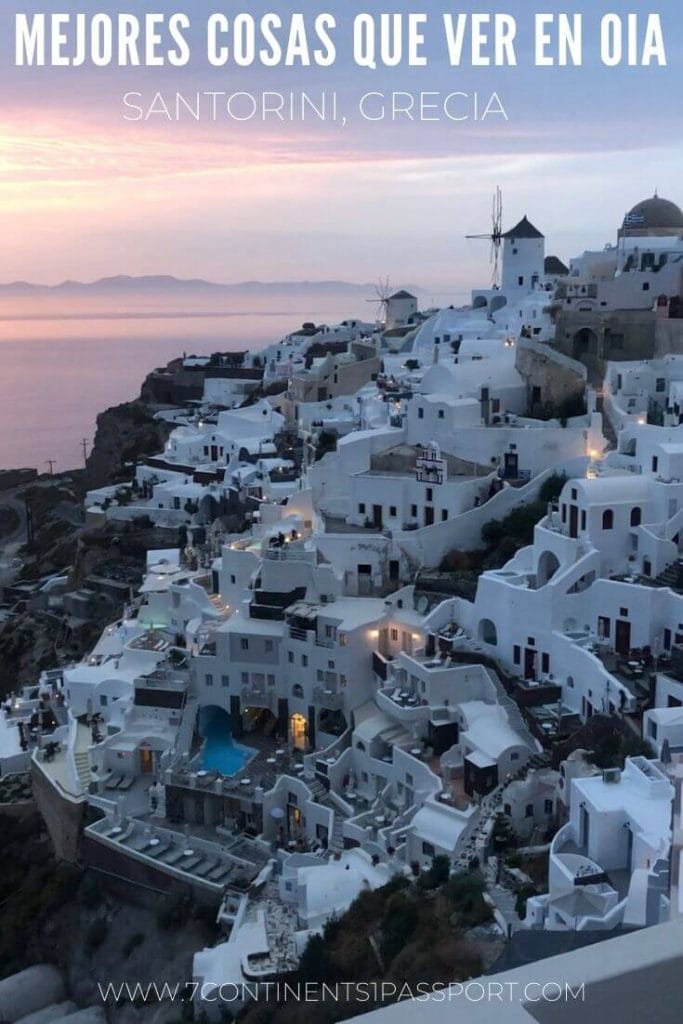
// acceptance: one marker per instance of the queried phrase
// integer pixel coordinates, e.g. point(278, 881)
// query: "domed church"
point(652, 218)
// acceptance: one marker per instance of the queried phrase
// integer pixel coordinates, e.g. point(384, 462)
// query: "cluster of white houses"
point(291, 713)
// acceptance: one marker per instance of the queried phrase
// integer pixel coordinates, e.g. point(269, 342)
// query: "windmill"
point(381, 300)
point(495, 236)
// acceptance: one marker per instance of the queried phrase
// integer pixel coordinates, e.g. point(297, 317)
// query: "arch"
point(297, 690)
point(498, 302)
point(569, 625)
point(636, 515)
point(548, 564)
point(479, 302)
point(488, 634)
point(587, 349)
point(298, 731)
point(608, 519)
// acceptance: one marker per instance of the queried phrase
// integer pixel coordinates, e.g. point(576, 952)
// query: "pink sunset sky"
point(85, 194)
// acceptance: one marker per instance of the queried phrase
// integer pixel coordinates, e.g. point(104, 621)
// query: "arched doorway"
point(488, 633)
point(586, 349)
point(548, 564)
point(298, 731)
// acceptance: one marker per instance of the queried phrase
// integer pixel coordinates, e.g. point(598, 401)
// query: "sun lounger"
point(218, 874)
point(203, 869)
point(114, 782)
point(126, 782)
point(190, 863)
point(173, 857)
point(157, 851)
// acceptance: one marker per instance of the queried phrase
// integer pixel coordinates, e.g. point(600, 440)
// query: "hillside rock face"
point(125, 433)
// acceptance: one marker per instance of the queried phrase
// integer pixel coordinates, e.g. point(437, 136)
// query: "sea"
point(60, 369)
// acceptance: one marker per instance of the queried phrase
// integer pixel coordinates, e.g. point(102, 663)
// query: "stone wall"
point(597, 337)
point(557, 376)
point(62, 815)
point(668, 337)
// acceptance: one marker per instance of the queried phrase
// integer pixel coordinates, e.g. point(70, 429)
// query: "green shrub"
point(398, 924)
point(551, 488)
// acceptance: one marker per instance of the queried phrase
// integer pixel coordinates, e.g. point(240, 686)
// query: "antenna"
point(84, 446)
point(381, 300)
point(51, 463)
point(495, 236)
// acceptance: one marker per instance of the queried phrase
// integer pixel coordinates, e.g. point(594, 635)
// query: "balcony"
point(328, 698)
point(258, 697)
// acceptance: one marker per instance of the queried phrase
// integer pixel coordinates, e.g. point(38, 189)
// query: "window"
point(304, 660)
point(429, 494)
point(507, 809)
point(661, 384)
point(520, 281)
point(361, 508)
point(394, 635)
point(392, 511)
point(441, 414)
point(225, 681)
point(427, 850)
point(444, 515)
point(608, 519)
point(652, 729)
point(636, 516)
point(270, 679)
point(245, 679)
point(244, 643)
point(545, 662)
point(583, 519)
point(514, 756)
point(103, 700)
point(516, 654)
point(655, 463)
point(208, 679)
point(604, 625)
point(290, 657)
point(268, 646)
point(548, 807)
point(623, 612)
point(413, 511)
point(574, 494)
point(233, 578)
point(529, 811)
point(420, 413)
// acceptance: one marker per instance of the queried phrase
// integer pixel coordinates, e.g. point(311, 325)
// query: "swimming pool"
point(220, 753)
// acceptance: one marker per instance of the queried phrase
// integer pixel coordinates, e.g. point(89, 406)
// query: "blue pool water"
point(220, 753)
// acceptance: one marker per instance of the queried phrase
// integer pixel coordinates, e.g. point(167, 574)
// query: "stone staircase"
point(672, 577)
point(505, 902)
point(317, 789)
point(336, 840)
point(82, 762)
